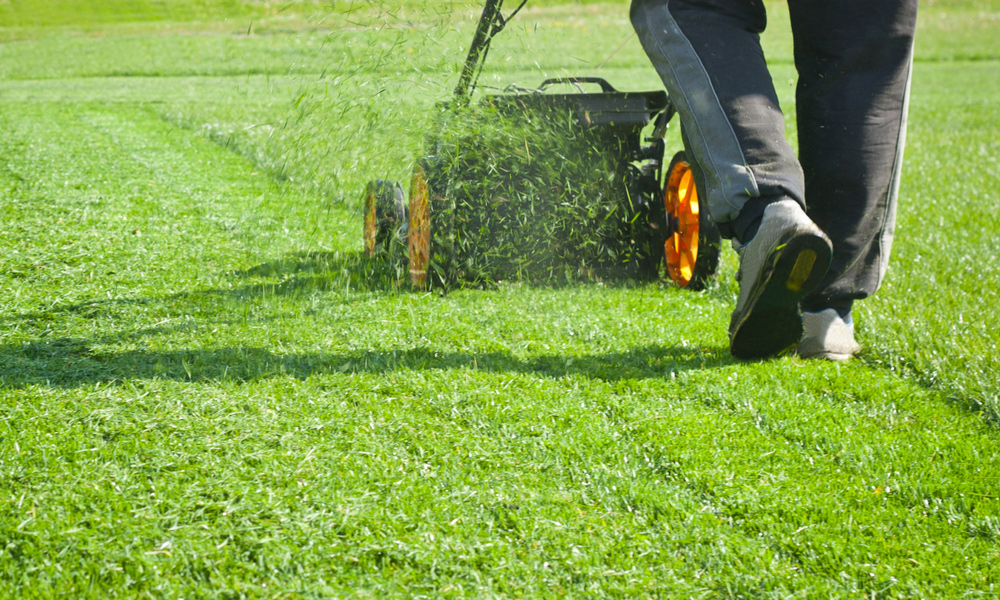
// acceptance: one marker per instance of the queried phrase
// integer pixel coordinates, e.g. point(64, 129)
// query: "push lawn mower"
point(452, 224)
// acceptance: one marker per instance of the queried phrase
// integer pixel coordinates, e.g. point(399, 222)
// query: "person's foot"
point(783, 262)
point(828, 336)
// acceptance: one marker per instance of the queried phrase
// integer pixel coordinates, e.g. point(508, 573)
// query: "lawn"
point(206, 391)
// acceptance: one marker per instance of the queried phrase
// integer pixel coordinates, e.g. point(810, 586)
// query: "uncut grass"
point(944, 271)
point(225, 402)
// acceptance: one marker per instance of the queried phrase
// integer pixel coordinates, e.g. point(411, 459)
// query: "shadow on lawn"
point(69, 362)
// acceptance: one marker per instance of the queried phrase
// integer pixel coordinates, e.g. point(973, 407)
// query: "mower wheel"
point(692, 246)
point(431, 226)
point(385, 216)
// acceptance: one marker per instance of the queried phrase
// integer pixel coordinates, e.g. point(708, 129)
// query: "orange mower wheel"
point(430, 237)
point(692, 246)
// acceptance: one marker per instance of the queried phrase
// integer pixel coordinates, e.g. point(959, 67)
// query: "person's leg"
point(708, 54)
point(853, 59)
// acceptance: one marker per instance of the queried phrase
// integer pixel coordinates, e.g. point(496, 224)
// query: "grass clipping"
point(539, 197)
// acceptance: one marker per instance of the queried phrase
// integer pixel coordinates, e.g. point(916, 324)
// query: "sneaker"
point(779, 266)
point(827, 335)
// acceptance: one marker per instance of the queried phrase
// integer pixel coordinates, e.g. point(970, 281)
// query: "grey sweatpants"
point(853, 59)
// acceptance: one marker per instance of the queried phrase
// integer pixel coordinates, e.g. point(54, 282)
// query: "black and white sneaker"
point(779, 266)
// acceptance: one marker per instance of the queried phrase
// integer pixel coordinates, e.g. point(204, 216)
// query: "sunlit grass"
point(207, 391)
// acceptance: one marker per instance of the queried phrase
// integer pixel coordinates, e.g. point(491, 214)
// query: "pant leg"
point(708, 54)
point(853, 59)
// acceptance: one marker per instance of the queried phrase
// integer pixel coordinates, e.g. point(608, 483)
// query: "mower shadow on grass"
point(73, 362)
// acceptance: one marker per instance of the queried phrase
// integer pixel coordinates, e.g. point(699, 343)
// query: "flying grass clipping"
point(537, 197)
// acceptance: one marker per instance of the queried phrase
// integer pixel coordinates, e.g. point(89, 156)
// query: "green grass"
point(206, 391)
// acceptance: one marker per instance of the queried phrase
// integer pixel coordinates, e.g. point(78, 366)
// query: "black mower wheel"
point(693, 240)
point(385, 217)
point(431, 238)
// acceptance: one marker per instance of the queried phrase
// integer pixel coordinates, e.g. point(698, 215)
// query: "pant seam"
point(725, 190)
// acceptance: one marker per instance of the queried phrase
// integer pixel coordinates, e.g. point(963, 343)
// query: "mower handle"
point(605, 86)
point(479, 48)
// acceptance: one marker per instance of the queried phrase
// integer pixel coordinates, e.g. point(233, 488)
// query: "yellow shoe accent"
point(801, 271)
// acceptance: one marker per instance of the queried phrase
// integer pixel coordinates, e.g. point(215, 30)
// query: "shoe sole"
point(771, 323)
